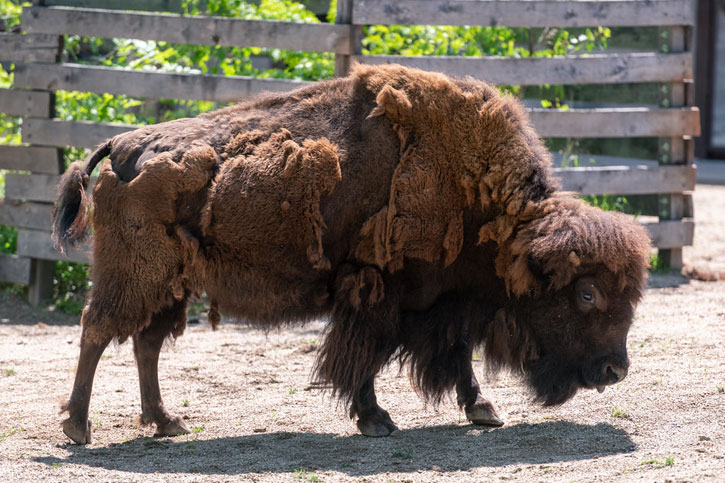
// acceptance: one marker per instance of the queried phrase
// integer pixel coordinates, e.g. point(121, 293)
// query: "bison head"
point(575, 274)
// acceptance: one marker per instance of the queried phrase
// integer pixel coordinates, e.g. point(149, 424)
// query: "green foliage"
point(86, 106)
point(8, 239)
point(9, 125)
point(70, 286)
point(418, 40)
point(607, 202)
point(169, 57)
point(10, 13)
point(658, 264)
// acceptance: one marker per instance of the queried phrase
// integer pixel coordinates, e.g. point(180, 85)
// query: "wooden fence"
point(38, 74)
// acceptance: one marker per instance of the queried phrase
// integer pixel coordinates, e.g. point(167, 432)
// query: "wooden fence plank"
point(31, 187)
point(590, 69)
point(80, 134)
point(315, 37)
point(575, 123)
point(147, 5)
point(14, 269)
point(667, 234)
point(24, 103)
point(318, 7)
point(37, 244)
point(25, 214)
point(616, 122)
point(156, 85)
point(624, 180)
point(30, 158)
point(525, 13)
point(29, 48)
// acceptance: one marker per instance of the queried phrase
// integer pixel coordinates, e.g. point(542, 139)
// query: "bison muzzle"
point(415, 211)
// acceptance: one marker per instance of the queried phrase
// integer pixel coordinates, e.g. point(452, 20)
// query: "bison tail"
point(71, 213)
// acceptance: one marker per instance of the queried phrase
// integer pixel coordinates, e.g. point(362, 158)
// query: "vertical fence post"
point(42, 272)
point(679, 149)
point(343, 16)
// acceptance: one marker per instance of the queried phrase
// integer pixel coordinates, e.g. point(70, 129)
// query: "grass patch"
point(9, 372)
point(10, 433)
point(403, 454)
point(618, 412)
point(653, 462)
point(721, 389)
point(301, 474)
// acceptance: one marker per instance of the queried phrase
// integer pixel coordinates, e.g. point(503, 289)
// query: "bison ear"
point(574, 258)
point(394, 104)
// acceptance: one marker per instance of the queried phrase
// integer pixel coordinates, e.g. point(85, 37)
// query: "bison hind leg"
point(146, 347)
point(76, 426)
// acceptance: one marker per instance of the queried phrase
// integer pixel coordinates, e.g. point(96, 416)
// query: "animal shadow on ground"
point(442, 448)
point(668, 279)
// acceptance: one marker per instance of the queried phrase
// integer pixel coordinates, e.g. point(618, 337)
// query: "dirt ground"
point(254, 416)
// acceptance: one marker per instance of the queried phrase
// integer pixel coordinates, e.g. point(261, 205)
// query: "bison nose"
point(612, 373)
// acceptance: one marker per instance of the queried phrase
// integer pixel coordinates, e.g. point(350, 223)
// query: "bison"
point(417, 212)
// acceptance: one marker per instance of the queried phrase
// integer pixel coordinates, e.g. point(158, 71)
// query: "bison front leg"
point(372, 419)
point(77, 427)
point(479, 410)
point(146, 347)
point(361, 336)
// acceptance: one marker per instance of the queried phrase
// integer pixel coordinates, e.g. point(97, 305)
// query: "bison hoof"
point(376, 425)
point(78, 431)
point(482, 412)
point(173, 427)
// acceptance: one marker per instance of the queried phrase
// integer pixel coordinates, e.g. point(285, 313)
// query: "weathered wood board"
point(29, 47)
point(152, 85)
point(30, 158)
point(525, 13)
point(315, 37)
point(14, 269)
point(584, 69)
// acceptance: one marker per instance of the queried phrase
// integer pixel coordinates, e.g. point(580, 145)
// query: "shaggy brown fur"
point(418, 211)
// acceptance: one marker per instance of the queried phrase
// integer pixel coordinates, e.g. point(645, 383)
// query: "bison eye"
point(588, 296)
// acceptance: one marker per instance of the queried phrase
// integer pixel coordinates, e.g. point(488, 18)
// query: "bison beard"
point(417, 211)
